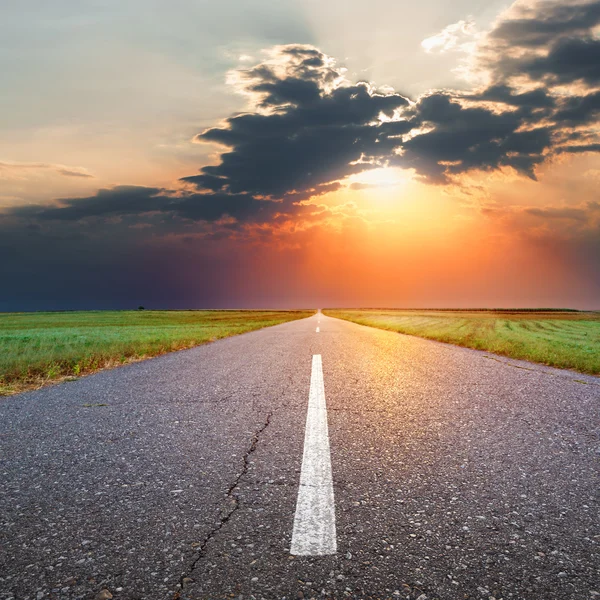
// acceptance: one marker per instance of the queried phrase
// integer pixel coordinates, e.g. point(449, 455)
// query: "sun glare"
point(381, 190)
point(380, 178)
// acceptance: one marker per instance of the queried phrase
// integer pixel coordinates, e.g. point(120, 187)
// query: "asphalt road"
point(457, 474)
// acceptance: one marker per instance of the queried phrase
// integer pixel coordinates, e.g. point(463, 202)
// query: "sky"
point(251, 153)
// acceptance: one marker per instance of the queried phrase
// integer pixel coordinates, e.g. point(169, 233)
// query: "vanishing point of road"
point(314, 459)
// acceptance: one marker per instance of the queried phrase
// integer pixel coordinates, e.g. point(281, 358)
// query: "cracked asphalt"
point(457, 474)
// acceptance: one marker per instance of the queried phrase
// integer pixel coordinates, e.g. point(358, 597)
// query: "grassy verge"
point(565, 339)
point(40, 348)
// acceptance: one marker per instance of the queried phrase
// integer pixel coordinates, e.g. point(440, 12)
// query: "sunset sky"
point(253, 153)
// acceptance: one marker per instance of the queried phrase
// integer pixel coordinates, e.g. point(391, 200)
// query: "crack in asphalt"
point(227, 512)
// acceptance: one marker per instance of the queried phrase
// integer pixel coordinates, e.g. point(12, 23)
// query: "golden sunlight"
point(382, 177)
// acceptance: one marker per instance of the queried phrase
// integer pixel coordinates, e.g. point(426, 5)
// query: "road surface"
point(428, 471)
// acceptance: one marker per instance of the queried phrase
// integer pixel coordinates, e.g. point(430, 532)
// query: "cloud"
point(568, 60)
point(577, 110)
point(584, 216)
point(457, 36)
point(540, 23)
point(73, 173)
point(579, 149)
point(139, 200)
point(20, 169)
point(547, 41)
point(576, 214)
point(502, 93)
point(462, 138)
point(308, 128)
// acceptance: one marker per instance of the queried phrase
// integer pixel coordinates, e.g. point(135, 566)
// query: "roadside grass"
point(41, 348)
point(565, 339)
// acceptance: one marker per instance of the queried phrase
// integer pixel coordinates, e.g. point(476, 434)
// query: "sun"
point(382, 190)
point(384, 177)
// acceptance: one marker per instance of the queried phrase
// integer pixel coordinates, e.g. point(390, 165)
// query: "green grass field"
point(566, 339)
point(38, 348)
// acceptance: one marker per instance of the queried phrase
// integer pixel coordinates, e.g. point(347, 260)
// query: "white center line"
point(318, 329)
point(314, 522)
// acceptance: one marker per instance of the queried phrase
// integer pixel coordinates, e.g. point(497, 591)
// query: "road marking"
point(318, 329)
point(314, 522)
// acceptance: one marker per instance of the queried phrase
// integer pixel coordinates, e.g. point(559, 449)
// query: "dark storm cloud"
point(274, 165)
point(534, 99)
point(465, 138)
point(509, 124)
point(120, 200)
point(308, 127)
point(545, 22)
point(568, 61)
point(579, 149)
point(311, 134)
point(553, 42)
point(580, 109)
point(138, 200)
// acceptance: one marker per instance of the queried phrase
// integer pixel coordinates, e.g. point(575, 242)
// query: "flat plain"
point(565, 339)
point(38, 348)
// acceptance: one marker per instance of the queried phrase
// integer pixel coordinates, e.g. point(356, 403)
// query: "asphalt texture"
point(457, 474)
